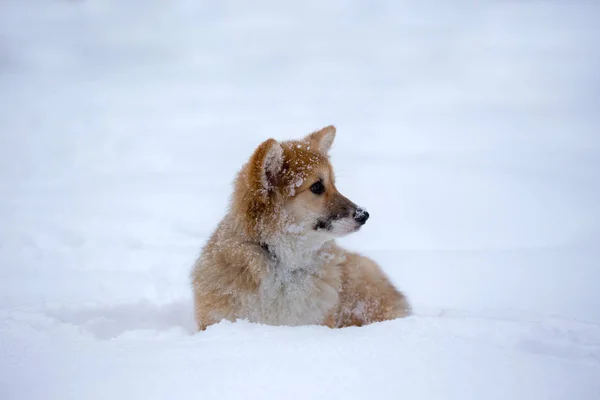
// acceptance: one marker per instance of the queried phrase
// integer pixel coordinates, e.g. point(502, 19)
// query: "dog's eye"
point(317, 188)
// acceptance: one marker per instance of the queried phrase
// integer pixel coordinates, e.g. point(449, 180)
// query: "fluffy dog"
point(273, 259)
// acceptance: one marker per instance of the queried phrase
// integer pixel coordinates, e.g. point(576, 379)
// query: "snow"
point(469, 130)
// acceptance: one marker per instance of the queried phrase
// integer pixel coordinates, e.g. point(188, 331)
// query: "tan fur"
point(267, 261)
point(366, 294)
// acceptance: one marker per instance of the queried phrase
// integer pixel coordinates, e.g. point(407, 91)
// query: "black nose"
point(361, 216)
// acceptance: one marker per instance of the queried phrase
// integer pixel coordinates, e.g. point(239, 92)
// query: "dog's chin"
point(347, 232)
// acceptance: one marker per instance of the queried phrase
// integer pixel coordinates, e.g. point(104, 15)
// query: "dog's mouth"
point(337, 226)
point(323, 224)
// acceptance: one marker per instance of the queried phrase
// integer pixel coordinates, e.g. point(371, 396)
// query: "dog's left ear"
point(266, 164)
point(322, 139)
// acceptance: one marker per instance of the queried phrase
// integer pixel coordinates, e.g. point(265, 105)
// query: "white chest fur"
point(294, 291)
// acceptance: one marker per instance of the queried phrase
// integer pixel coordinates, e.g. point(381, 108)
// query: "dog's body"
point(273, 260)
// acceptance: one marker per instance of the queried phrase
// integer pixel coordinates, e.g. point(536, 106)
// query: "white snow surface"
point(469, 130)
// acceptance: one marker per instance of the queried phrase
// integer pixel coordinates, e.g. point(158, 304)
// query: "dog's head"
point(290, 186)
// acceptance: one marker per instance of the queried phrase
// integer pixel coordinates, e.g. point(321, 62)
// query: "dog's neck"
point(298, 252)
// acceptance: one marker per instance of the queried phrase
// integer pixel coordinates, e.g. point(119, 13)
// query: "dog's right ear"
point(266, 164)
point(322, 139)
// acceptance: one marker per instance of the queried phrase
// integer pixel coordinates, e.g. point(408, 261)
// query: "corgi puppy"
point(273, 258)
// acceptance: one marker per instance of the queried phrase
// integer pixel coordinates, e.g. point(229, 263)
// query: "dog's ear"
point(322, 139)
point(266, 164)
